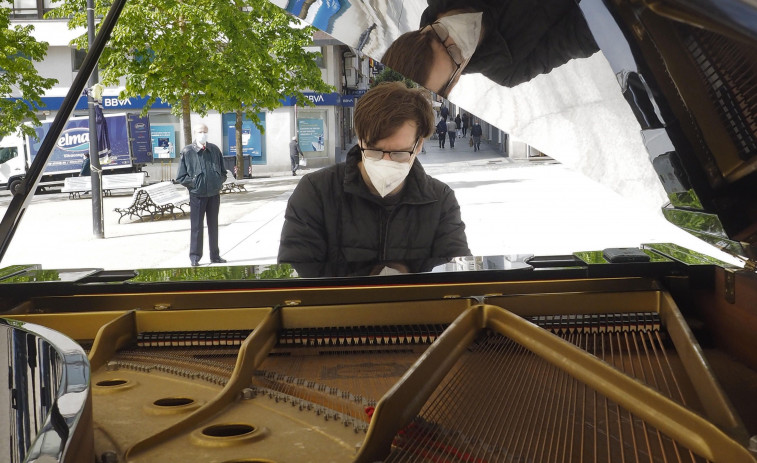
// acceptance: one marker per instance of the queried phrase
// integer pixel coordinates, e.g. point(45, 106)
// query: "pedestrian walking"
point(444, 112)
point(466, 123)
point(451, 132)
point(458, 121)
point(295, 153)
point(475, 133)
point(441, 130)
point(202, 172)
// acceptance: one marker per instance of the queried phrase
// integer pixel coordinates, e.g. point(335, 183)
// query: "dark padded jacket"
point(202, 171)
point(333, 217)
point(522, 39)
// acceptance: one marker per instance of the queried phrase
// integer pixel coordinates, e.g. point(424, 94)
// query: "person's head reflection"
point(441, 50)
point(510, 42)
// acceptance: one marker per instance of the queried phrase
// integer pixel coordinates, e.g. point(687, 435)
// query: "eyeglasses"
point(396, 156)
point(453, 51)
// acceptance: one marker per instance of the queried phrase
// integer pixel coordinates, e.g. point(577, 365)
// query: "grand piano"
point(650, 357)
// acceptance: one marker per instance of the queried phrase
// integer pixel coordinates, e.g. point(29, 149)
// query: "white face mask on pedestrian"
point(465, 30)
point(385, 174)
point(201, 138)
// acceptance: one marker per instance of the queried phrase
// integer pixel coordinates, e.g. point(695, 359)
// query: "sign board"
point(310, 134)
point(139, 135)
point(163, 141)
point(251, 140)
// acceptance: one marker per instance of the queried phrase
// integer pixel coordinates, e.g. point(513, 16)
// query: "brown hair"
point(387, 106)
point(412, 55)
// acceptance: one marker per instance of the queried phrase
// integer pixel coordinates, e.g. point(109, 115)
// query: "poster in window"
point(310, 133)
point(163, 141)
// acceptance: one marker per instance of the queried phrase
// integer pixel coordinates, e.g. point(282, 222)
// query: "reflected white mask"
point(465, 30)
point(385, 174)
point(201, 138)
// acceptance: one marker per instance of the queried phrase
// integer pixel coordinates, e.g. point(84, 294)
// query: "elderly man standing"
point(201, 170)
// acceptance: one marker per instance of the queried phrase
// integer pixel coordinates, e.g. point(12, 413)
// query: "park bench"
point(132, 181)
point(157, 199)
point(75, 186)
point(230, 185)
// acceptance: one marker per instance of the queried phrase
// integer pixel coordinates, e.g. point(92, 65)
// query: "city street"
point(509, 206)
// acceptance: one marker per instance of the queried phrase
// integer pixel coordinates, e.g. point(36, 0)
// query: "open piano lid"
point(694, 140)
point(665, 113)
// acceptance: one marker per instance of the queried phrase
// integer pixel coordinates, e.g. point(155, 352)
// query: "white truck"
point(130, 143)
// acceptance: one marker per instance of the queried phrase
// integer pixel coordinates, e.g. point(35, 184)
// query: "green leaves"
point(19, 51)
point(207, 54)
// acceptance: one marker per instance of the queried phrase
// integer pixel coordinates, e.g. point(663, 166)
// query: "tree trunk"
point(186, 119)
point(240, 153)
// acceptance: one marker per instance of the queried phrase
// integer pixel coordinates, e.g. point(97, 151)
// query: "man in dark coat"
point(441, 131)
point(294, 154)
point(379, 205)
point(518, 40)
point(201, 170)
point(475, 133)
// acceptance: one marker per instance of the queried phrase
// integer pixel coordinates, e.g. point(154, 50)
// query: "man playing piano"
point(379, 205)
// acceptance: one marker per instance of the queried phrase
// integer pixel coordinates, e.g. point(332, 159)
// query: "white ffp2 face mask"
point(465, 30)
point(201, 138)
point(385, 174)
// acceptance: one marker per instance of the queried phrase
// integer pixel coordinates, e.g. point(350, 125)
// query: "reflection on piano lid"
point(665, 112)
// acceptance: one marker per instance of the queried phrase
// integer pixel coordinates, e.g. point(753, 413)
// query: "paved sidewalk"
point(509, 207)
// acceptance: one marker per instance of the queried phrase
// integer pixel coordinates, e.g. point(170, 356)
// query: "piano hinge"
point(730, 286)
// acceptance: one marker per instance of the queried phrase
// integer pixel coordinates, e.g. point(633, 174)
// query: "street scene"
point(523, 206)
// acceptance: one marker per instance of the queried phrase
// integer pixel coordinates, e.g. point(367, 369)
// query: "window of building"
point(77, 58)
point(20, 9)
point(319, 58)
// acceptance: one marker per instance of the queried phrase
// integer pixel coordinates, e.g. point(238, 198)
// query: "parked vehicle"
point(130, 145)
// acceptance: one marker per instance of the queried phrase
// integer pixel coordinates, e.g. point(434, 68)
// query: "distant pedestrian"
point(475, 133)
point(295, 153)
point(202, 172)
point(444, 112)
point(451, 132)
point(459, 121)
point(441, 131)
point(466, 123)
point(86, 169)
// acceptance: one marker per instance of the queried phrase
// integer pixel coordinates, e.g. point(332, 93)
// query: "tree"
point(390, 75)
point(253, 80)
point(20, 50)
point(237, 56)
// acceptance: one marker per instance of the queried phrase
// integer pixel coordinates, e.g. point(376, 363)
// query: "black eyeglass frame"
point(453, 51)
point(404, 156)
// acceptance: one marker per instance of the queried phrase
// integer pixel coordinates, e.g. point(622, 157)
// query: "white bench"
point(75, 186)
point(230, 185)
point(123, 181)
point(160, 198)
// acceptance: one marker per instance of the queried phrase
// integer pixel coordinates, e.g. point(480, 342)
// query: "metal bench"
point(75, 186)
point(230, 185)
point(161, 198)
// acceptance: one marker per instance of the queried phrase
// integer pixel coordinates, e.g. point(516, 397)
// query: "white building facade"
point(324, 129)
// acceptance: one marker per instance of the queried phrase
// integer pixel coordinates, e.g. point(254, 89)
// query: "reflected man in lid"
point(508, 41)
point(378, 205)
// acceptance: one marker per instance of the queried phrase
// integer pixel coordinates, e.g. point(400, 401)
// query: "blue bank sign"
point(318, 99)
point(53, 103)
